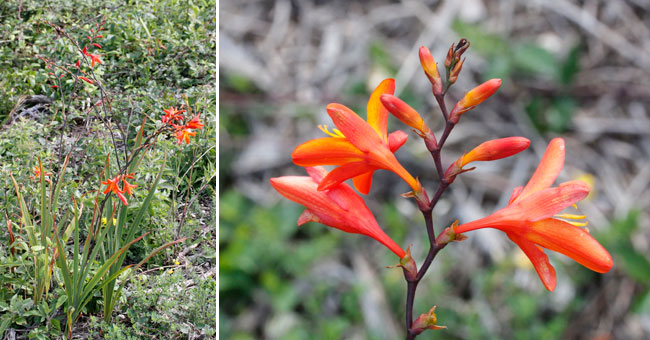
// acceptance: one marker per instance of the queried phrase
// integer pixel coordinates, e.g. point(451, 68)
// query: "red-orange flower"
point(358, 147)
point(195, 123)
point(183, 133)
point(531, 220)
point(339, 207)
point(94, 58)
point(112, 186)
point(172, 114)
point(128, 187)
point(37, 173)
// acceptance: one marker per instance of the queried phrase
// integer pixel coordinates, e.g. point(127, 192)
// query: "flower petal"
point(571, 241)
point(546, 203)
point(547, 170)
point(377, 113)
point(355, 129)
point(344, 172)
point(326, 151)
point(540, 261)
point(363, 182)
point(396, 139)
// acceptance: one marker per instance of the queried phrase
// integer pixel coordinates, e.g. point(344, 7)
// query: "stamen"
point(579, 224)
point(575, 206)
point(336, 134)
point(571, 216)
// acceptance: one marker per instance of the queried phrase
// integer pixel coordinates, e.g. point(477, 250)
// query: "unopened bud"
point(448, 235)
point(404, 112)
point(455, 71)
point(431, 70)
point(450, 57)
point(426, 321)
point(474, 97)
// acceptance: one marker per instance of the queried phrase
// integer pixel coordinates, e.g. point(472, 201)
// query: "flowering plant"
point(533, 218)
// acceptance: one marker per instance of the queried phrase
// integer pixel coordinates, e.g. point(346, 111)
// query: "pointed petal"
point(515, 193)
point(303, 190)
point(546, 203)
point(355, 129)
point(377, 113)
point(363, 182)
point(326, 151)
point(307, 216)
point(540, 261)
point(317, 173)
point(396, 139)
point(571, 241)
point(547, 170)
point(344, 172)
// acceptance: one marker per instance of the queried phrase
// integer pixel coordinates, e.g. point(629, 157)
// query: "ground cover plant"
point(108, 165)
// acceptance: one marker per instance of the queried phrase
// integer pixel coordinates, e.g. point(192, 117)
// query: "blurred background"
point(580, 70)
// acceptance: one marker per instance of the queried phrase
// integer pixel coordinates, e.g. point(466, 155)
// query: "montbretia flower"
point(172, 114)
point(37, 173)
point(533, 222)
point(357, 147)
point(195, 123)
point(488, 151)
point(94, 58)
point(183, 134)
point(339, 207)
point(112, 186)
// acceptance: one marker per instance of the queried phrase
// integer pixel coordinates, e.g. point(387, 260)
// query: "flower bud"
point(405, 113)
point(426, 321)
point(474, 97)
point(450, 57)
point(455, 71)
point(488, 151)
point(431, 70)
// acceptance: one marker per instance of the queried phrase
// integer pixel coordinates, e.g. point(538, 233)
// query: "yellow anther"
point(575, 206)
point(579, 224)
point(336, 134)
point(571, 216)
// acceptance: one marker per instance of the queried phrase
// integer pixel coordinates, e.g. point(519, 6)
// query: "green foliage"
point(169, 305)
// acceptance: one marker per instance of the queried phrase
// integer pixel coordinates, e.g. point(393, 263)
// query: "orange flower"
point(339, 207)
point(94, 58)
point(531, 220)
point(128, 187)
point(183, 133)
point(172, 114)
point(195, 123)
point(112, 186)
point(37, 173)
point(358, 147)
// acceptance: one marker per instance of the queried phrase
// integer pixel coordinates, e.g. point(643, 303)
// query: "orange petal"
point(547, 170)
point(546, 203)
point(396, 139)
point(571, 241)
point(355, 129)
point(342, 173)
point(377, 113)
point(326, 151)
point(540, 261)
point(363, 182)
